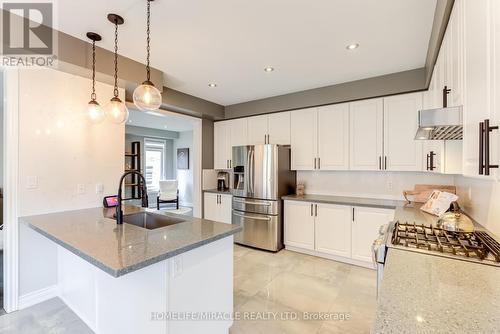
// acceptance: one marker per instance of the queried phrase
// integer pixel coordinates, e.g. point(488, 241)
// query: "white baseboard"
point(347, 260)
point(38, 296)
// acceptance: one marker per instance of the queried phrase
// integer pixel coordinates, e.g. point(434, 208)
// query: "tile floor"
point(297, 283)
point(263, 282)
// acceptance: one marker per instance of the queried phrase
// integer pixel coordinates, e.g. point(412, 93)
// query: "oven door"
point(259, 230)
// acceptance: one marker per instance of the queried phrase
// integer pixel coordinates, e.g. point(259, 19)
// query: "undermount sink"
point(150, 221)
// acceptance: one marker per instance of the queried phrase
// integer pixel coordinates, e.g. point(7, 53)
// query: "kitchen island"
point(128, 279)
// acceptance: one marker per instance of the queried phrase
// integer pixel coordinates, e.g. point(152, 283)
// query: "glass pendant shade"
point(95, 114)
point(147, 97)
point(116, 111)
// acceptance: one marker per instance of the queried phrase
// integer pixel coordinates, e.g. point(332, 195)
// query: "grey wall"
point(207, 141)
point(402, 82)
point(184, 176)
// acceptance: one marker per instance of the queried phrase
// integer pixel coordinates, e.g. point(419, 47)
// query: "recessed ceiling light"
point(352, 46)
point(269, 69)
point(212, 85)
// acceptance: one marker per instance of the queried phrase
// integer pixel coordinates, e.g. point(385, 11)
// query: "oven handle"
point(252, 217)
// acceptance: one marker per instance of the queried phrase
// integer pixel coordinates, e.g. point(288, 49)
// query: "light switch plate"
point(32, 182)
point(80, 189)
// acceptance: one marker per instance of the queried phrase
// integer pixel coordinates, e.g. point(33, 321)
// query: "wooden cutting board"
point(422, 192)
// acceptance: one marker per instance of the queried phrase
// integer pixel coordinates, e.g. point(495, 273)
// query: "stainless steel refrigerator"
point(261, 175)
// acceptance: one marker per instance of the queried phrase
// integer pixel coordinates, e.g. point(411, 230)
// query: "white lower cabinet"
point(218, 207)
point(299, 224)
point(339, 232)
point(333, 229)
point(366, 223)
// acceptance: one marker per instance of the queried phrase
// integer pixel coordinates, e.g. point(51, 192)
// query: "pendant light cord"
point(148, 31)
point(115, 91)
point(93, 95)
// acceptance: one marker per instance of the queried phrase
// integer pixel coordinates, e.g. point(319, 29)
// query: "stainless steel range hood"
point(440, 124)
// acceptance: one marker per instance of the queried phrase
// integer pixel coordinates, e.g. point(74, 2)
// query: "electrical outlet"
point(390, 185)
point(80, 189)
point(32, 182)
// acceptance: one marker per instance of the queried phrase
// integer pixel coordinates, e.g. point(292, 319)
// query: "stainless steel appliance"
point(441, 124)
point(478, 246)
point(261, 175)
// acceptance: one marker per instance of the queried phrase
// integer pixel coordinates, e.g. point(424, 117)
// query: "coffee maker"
point(222, 181)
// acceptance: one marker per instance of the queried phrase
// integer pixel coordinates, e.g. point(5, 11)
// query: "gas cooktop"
point(478, 246)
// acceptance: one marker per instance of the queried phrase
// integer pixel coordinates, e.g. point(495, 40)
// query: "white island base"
point(193, 283)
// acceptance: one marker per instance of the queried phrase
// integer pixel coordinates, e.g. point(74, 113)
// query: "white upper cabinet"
point(304, 139)
point(495, 86)
point(269, 129)
point(239, 128)
point(257, 130)
point(222, 145)
point(279, 128)
point(401, 151)
point(366, 133)
point(333, 137)
point(226, 135)
point(478, 46)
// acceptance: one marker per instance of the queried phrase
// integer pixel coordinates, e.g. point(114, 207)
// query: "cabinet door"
point(495, 86)
point(333, 137)
point(366, 131)
point(402, 152)
point(225, 209)
point(222, 145)
point(455, 57)
point(210, 206)
point(477, 73)
point(239, 135)
point(333, 229)
point(257, 130)
point(299, 224)
point(279, 128)
point(365, 229)
point(304, 139)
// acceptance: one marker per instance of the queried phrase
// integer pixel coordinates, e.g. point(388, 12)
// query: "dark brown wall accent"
point(207, 140)
point(396, 83)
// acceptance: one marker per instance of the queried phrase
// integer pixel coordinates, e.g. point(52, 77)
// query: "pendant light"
point(147, 96)
point(116, 110)
point(94, 112)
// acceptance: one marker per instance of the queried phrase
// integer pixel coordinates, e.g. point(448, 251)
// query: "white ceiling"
point(164, 121)
point(229, 42)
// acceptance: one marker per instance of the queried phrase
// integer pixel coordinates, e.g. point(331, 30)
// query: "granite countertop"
point(93, 235)
point(356, 201)
point(222, 192)
point(431, 294)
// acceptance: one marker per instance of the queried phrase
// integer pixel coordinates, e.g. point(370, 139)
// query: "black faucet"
point(144, 197)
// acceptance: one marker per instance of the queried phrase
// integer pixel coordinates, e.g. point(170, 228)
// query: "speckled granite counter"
point(430, 294)
point(342, 200)
point(93, 235)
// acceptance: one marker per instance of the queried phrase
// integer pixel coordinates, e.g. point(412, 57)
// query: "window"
point(154, 167)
